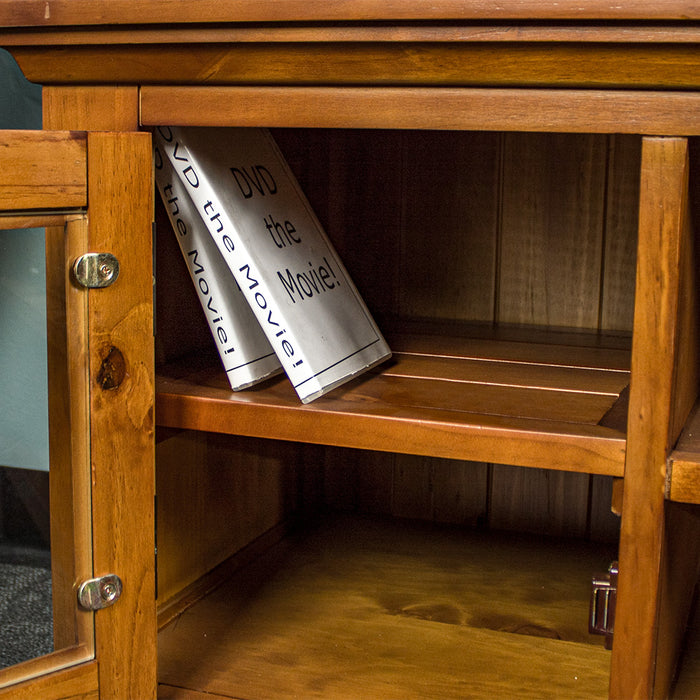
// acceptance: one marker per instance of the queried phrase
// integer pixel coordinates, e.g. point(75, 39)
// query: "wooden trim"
point(664, 184)
point(83, 12)
point(583, 111)
point(40, 170)
point(61, 675)
point(459, 64)
point(356, 33)
point(174, 606)
point(37, 219)
point(69, 433)
point(95, 108)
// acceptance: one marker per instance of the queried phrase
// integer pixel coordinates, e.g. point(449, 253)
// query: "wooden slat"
point(620, 233)
point(511, 374)
point(552, 220)
point(449, 184)
point(80, 12)
point(584, 111)
point(41, 170)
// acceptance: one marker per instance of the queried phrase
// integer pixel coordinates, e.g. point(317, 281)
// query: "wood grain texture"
point(459, 63)
point(483, 32)
point(94, 108)
point(684, 462)
point(215, 495)
point(121, 411)
point(69, 433)
point(61, 12)
point(412, 412)
point(620, 233)
point(516, 109)
point(661, 226)
point(40, 679)
point(42, 170)
point(679, 578)
point(339, 614)
point(551, 230)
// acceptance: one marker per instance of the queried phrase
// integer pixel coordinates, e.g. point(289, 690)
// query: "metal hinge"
point(98, 593)
point(96, 270)
point(602, 610)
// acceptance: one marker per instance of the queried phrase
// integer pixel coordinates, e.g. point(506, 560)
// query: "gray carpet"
point(26, 618)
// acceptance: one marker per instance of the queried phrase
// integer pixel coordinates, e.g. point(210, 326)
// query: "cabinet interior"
point(501, 268)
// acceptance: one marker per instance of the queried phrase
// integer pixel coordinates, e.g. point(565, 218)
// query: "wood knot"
point(112, 370)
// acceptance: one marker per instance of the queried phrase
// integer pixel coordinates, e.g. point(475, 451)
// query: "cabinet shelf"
point(685, 462)
point(480, 398)
point(394, 609)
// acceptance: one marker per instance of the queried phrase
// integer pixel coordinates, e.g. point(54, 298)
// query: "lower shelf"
point(393, 609)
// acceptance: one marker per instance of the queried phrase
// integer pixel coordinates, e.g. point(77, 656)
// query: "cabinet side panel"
point(216, 494)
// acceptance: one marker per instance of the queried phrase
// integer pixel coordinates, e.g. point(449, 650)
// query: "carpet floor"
point(26, 617)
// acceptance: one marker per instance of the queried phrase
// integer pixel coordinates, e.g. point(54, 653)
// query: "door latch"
point(96, 270)
point(98, 593)
point(602, 608)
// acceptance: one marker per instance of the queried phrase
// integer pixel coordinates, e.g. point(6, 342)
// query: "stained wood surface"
point(402, 408)
point(556, 64)
point(42, 171)
point(69, 434)
point(75, 683)
point(34, 12)
point(662, 228)
point(516, 109)
point(204, 480)
point(121, 410)
point(394, 610)
point(684, 462)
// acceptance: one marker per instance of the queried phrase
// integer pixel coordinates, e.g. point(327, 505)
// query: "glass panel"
point(26, 610)
point(45, 471)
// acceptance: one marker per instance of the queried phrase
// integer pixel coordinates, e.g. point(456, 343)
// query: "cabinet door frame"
point(101, 365)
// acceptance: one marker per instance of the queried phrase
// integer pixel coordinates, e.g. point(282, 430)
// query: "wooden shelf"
point(562, 406)
point(394, 609)
point(684, 462)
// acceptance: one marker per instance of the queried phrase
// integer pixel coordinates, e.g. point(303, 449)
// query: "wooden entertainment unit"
point(513, 188)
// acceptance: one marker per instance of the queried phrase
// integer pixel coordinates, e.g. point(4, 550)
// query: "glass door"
point(45, 535)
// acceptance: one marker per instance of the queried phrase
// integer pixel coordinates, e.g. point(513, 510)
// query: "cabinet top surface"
point(62, 13)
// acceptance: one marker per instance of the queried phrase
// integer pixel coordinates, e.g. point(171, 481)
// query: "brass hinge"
point(602, 610)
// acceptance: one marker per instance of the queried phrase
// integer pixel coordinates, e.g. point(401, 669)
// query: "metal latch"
point(602, 609)
point(98, 593)
point(96, 270)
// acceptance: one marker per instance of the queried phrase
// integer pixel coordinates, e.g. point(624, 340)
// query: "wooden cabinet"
point(510, 191)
